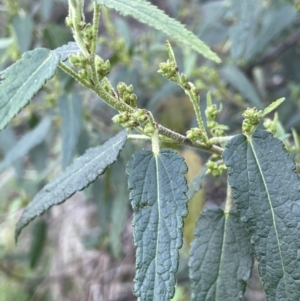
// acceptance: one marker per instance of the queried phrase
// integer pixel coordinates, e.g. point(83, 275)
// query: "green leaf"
point(271, 107)
point(149, 14)
point(221, 257)
point(21, 81)
point(27, 142)
point(23, 26)
point(266, 192)
point(70, 110)
point(241, 83)
point(38, 240)
point(158, 197)
point(77, 176)
point(119, 209)
point(242, 32)
point(273, 23)
point(7, 142)
point(67, 49)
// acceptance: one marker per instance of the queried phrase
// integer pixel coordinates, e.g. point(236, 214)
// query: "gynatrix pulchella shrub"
point(262, 183)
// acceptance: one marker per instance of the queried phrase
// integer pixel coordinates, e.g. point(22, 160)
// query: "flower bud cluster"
point(215, 168)
point(140, 117)
point(126, 93)
point(168, 70)
point(196, 134)
point(271, 125)
point(102, 68)
point(252, 118)
point(212, 112)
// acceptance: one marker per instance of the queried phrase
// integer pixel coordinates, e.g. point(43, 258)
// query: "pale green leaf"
point(149, 14)
point(242, 32)
point(120, 204)
point(23, 26)
point(22, 80)
point(70, 111)
point(266, 192)
point(271, 107)
point(241, 83)
point(8, 140)
point(221, 257)
point(26, 143)
point(159, 201)
point(65, 50)
point(83, 171)
point(273, 23)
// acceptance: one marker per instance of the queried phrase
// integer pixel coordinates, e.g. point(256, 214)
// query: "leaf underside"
point(158, 197)
point(266, 192)
point(149, 14)
point(221, 257)
point(65, 50)
point(83, 171)
point(22, 80)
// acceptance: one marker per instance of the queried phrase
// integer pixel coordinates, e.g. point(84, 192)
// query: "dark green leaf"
point(65, 50)
point(70, 110)
point(77, 176)
point(158, 197)
point(27, 142)
point(149, 14)
point(241, 83)
point(23, 26)
point(38, 239)
point(221, 257)
point(21, 81)
point(266, 192)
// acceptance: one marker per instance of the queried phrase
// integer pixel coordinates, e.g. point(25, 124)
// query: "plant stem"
point(96, 17)
point(73, 74)
point(220, 139)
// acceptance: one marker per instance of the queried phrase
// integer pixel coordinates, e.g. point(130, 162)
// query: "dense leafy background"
point(85, 250)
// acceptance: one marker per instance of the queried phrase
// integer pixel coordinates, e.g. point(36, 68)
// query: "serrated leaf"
point(149, 14)
point(266, 192)
point(21, 81)
point(221, 257)
point(77, 176)
point(27, 142)
point(158, 197)
point(70, 111)
point(65, 50)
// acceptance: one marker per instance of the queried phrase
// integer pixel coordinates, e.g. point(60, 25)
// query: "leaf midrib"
point(159, 218)
point(272, 211)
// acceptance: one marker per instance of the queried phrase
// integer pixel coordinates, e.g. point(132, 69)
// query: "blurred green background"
point(82, 249)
